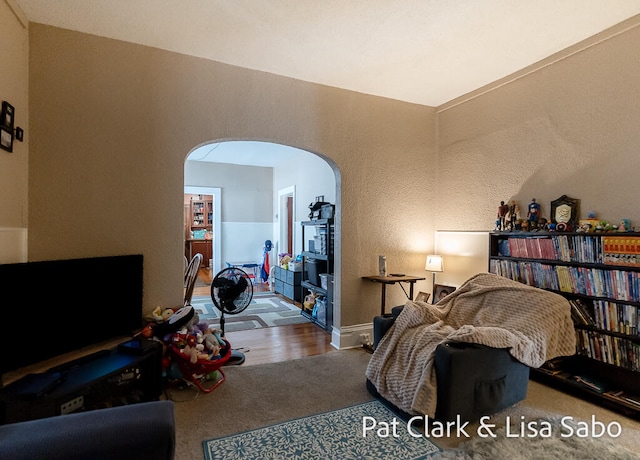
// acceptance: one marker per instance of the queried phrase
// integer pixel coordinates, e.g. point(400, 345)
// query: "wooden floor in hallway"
point(272, 344)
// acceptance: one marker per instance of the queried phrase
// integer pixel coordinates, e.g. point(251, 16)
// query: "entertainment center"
point(52, 322)
point(130, 373)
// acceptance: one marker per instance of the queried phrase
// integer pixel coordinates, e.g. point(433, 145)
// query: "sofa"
point(473, 380)
point(132, 432)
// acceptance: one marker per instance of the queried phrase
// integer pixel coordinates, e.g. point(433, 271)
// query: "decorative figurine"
point(589, 224)
point(513, 215)
point(543, 224)
point(532, 213)
point(503, 209)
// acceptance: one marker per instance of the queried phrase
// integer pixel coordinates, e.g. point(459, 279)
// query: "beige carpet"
point(543, 401)
point(261, 395)
point(264, 394)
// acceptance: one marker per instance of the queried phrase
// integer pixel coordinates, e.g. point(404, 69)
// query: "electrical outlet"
point(72, 405)
point(365, 339)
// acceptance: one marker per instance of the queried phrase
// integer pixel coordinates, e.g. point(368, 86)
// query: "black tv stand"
point(130, 373)
point(65, 367)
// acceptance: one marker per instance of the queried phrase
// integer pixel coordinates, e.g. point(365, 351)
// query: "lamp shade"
point(434, 264)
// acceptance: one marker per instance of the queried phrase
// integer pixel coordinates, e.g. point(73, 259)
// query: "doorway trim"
point(283, 219)
point(217, 217)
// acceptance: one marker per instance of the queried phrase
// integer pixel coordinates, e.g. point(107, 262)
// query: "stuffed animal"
point(160, 315)
point(310, 301)
point(185, 317)
point(191, 352)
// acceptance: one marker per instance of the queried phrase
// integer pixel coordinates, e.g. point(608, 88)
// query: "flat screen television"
point(54, 307)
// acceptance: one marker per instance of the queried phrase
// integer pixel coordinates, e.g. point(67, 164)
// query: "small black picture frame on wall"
point(8, 113)
point(6, 126)
point(6, 139)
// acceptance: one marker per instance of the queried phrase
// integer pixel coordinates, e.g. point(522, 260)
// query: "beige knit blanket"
point(487, 309)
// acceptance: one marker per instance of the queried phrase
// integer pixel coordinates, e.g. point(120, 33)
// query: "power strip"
point(72, 405)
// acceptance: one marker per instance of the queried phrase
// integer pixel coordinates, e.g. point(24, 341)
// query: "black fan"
point(231, 292)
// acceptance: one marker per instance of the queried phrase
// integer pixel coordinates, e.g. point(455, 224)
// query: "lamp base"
point(433, 289)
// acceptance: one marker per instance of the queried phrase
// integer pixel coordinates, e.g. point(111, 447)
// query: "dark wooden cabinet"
point(599, 273)
point(198, 228)
point(201, 214)
point(204, 247)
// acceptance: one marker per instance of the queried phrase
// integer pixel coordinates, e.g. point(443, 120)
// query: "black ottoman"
point(473, 380)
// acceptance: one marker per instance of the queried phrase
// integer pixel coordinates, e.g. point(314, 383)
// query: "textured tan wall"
point(571, 128)
point(14, 88)
point(112, 123)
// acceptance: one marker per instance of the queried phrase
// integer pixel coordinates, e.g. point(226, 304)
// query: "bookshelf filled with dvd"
point(599, 274)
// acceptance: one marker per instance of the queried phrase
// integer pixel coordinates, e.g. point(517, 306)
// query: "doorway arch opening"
point(265, 190)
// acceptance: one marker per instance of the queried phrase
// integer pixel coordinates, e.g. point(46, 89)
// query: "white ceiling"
point(420, 51)
point(245, 153)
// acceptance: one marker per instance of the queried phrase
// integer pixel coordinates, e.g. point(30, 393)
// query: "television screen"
point(54, 307)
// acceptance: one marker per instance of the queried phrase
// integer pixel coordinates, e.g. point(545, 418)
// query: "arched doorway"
point(265, 190)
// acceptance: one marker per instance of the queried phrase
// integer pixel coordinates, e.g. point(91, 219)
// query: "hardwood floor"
point(273, 344)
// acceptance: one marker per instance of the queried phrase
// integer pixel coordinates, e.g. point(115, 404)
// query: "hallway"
point(205, 277)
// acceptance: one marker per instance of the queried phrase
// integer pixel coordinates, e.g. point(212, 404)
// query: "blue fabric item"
point(264, 272)
point(136, 431)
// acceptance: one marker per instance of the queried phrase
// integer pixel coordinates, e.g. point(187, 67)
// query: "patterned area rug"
point(337, 434)
point(265, 310)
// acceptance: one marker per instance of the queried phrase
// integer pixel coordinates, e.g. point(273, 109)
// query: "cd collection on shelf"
point(586, 248)
point(619, 351)
point(599, 275)
point(590, 281)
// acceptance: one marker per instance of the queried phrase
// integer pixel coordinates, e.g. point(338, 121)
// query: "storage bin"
point(324, 278)
point(295, 266)
point(314, 268)
point(320, 244)
point(327, 211)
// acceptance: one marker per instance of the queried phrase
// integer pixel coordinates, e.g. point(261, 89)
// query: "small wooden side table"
point(384, 280)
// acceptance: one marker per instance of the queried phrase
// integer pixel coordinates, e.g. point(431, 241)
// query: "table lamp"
point(434, 264)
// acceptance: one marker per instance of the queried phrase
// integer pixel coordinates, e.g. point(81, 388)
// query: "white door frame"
point(282, 218)
point(217, 216)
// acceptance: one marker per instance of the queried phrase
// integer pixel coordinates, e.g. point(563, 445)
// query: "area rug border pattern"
point(403, 447)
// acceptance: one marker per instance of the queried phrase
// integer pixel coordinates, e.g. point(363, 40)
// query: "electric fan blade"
point(231, 290)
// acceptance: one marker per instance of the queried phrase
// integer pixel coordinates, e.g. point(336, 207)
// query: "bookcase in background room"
point(599, 273)
point(199, 228)
point(201, 214)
